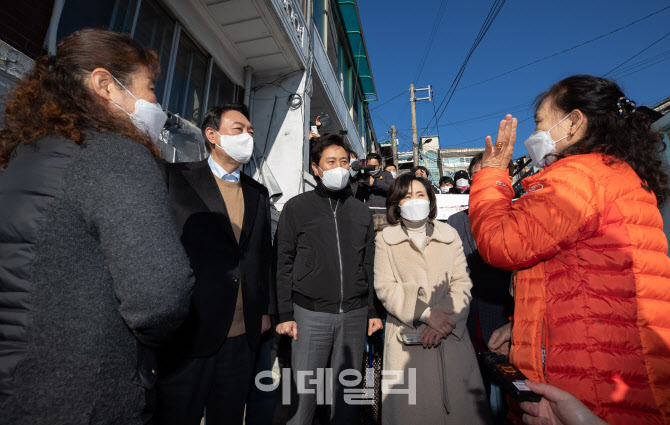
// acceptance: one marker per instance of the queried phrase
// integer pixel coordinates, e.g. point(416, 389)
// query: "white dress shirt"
point(223, 174)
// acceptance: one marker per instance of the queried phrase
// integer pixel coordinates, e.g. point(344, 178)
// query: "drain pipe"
point(248, 70)
point(52, 32)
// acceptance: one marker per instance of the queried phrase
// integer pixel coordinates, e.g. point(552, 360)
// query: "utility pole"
point(412, 101)
point(394, 146)
point(415, 144)
point(440, 165)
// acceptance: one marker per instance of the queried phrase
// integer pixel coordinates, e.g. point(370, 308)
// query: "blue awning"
point(352, 24)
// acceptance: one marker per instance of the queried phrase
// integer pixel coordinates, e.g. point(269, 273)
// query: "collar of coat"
point(435, 231)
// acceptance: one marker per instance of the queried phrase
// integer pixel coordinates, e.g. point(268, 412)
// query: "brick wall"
point(24, 25)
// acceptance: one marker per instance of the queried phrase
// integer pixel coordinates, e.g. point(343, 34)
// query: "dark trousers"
point(324, 336)
point(216, 385)
point(260, 404)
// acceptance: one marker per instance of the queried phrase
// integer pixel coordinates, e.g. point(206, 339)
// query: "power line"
point(557, 54)
point(431, 37)
point(636, 54)
point(391, 99)
point(565, 50)
point(484, 117)
point(642, 69)
point(484, 137)
point(640, 66)
point(493, 13)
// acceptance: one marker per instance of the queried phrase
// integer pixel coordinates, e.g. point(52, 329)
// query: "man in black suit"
point(223, 217)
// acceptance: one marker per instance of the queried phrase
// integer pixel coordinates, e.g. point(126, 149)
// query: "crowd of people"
point(138, 291)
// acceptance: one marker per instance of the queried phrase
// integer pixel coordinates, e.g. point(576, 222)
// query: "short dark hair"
point(398, 191)
point(213, 118)
point(390, 165)
point(479, 157)
point(421, 167)
point(323, 142)
point(373, 155)
point(446, 180)
point(461, 174)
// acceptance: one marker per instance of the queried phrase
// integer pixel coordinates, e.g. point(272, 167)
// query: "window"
point(356, 114)
point(155, 28)
point(221, 89)
point(332, 43)
point(188, 81)
point(345, 75)
point(115, 15)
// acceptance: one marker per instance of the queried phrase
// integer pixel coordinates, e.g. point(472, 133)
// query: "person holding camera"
point(374, 184)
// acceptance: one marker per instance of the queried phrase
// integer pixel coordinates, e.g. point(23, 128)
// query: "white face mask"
point(541, 146)
point(394, 174)
point(445, 189)
point(462, 183)
point(415, 209)
point(147, 117)
point(335, 179)
point(239, 147)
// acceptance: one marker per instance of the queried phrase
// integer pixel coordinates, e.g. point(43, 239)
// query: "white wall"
point(283, 134)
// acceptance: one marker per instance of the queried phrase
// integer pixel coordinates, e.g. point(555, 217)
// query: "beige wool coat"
point(408, 278)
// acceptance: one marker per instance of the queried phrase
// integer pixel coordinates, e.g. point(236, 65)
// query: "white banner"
point(448, 204)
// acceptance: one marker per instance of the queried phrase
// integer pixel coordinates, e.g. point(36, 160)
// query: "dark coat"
point(325, 256)
point(491, 299)
point(217, 260)
point(375, 195)
point(90, 263)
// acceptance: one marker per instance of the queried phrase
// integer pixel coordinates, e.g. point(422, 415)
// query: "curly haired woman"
point(91, 267)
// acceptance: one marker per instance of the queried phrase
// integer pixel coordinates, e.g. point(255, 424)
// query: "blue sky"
point(397, 32)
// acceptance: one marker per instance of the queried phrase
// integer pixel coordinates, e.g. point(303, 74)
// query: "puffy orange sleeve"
point(540, 223)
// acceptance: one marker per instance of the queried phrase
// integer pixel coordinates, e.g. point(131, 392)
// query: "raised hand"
point(499, 155)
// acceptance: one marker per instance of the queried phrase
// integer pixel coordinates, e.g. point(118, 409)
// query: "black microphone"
point(356, 166)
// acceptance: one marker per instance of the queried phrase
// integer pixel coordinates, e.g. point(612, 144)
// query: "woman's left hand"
point(431, 337)
point(499, 155)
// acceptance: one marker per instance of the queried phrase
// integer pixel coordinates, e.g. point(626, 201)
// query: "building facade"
point(289, 61)
point(454, 160)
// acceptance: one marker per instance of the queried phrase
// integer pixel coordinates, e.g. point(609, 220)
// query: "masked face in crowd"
point(233, 142)
point(138, 101)
point(377, 166)
point(333, 168)
point(554, 131)
point(415, 206)
point(445, 188)
point(391, 169)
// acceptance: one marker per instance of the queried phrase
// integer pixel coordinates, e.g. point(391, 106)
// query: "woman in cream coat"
point(421, 278)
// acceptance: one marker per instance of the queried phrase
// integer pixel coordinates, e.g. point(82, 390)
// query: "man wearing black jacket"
point(223, 219)
point(325, 287)
point(373, 191)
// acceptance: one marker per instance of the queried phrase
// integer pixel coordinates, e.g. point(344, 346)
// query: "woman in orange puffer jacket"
point(592, 288)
